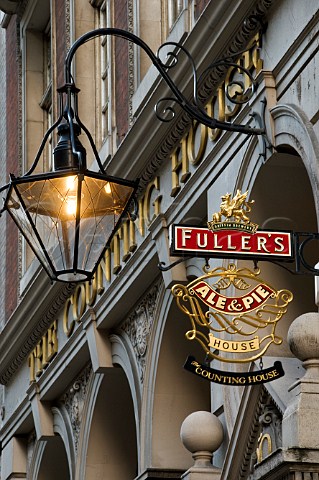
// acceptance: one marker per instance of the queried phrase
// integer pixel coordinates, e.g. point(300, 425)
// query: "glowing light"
point(71, 182)
point(107, 188)
point(70, 197)
point(70, 203)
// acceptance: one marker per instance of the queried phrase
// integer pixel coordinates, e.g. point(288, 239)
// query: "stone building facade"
point(92, 378)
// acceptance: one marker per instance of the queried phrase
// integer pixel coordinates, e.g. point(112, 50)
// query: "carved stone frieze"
point(270, 434)
point(139, 324)
point(265, 437)
point(249, 458)
point(74, 401)
point(252, 24)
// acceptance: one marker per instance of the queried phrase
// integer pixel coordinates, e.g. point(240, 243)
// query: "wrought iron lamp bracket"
point(194, 108)
point(68, 93)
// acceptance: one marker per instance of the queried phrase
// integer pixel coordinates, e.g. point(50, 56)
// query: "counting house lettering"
point(226, 379)
point(232, 378)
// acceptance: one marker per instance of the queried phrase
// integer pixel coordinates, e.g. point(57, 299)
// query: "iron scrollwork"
point(236, 91)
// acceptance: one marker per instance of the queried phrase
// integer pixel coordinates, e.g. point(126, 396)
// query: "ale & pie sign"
point(234, 312)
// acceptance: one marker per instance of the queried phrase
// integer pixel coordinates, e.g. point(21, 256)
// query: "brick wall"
point(60, 40)
point(12, 114)
point(121, 71)
point(3, 173)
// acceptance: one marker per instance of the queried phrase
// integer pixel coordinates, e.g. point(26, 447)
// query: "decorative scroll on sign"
point(242, 323)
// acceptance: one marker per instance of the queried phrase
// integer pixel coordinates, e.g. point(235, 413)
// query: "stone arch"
point(292, 127)
point(63, 428)
point(275, 184)
point(60, 447)
point(35, 463)
point(50, 461)
point(107, 443)
point(170, 393)
point(123, 356)
point(93, 389)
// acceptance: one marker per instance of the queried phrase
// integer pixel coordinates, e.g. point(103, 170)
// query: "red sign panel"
point(200, 241)
point(233, 305)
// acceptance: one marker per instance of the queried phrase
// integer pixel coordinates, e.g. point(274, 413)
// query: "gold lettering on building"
point(196, 155)
point(180, 165)
point(116, 249)
point(43, 353)
point(149, 207)
point(192, 146)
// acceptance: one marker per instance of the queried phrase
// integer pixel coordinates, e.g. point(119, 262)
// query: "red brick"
point(13, 151)
point(121, 71)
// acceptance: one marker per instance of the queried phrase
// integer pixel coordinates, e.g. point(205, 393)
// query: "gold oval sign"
point(233, 313)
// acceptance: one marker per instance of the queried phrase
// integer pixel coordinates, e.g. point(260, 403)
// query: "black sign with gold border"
point(234, 378)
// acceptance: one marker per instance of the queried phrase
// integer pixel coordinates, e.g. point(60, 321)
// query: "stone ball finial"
point(303, 336)
point(202, 434)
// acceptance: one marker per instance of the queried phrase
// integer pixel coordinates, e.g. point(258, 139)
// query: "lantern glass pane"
point(102, 204)
point(21, 218)
point(68, 220)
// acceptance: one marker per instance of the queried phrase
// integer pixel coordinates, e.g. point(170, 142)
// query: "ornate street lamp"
point(70, 214)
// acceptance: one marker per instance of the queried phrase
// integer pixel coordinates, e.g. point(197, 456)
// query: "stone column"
point(300, 425)
point(202, 434)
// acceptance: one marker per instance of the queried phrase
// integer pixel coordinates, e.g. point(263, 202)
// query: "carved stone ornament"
point(249, 460)
point(74, 400)
point(139, 323)
point(265, 435)
point(270, 437)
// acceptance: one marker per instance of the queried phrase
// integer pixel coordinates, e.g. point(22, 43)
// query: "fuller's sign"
point(233, 312)
point(231, 234)
point(230, 243)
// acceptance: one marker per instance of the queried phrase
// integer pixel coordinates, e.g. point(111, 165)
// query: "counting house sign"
point(233, 312)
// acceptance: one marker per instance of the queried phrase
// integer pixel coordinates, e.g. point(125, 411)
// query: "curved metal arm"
point(195, 110)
